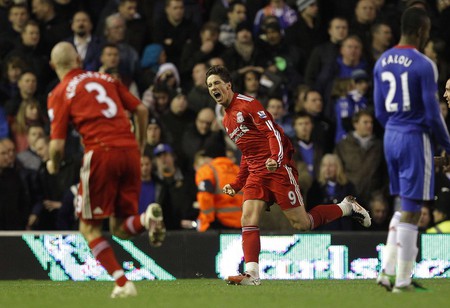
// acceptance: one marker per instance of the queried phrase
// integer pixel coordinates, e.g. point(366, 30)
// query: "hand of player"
point(271, 165)
point(227, 189)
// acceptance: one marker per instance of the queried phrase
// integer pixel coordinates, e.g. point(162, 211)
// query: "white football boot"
point(127, 290)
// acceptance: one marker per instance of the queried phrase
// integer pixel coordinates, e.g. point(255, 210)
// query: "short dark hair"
point(220, 71)
point(233, 4)
point(301, 115)
point(359, 114)
point(109, 45)
point(413, 19)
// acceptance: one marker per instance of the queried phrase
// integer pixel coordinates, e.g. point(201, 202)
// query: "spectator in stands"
point(175, 198)
point(51, 188)
point(137, 34)
point(30, 51)
point(331, 185)
point(27, 88)
point(169, 76)
point(219, 10)
point(343, 107)
point(149, 187)
point(308, 153)
point(201, 50)
point(29, 114)
point(177, 120)
point(14, 202)
point(29, 158)
point(361, 153)
point(381, 40)
point(323, 131)
point(435, 49)
point(441, 213)
point(244, 55)
point(157, 99)
point(173, 30)
point(379, 212)
point(349, 60)
point(426, 218)
point(11, 152)
point(155, 136)
point(115, 28)
point(251, 86)
point(53, 27)
point(198, 97)
point(18, 15)
point(323, 56)
point(152, 58)
point(109, 58)
point(363, 19)
point(88, 46)
point(236, 14)
point(286, 15)
point(306, 33)
point(278, 110)
point(12, 70)
point(351, 96)
point(195, 136)
point(285, 61)
point(217, 209)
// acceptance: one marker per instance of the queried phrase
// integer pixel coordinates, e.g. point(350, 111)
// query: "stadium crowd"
point(309, 62)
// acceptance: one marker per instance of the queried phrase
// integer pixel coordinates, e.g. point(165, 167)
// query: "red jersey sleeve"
point(130, 102)
point(241, 178)
point(59, 114)
point(264, 123)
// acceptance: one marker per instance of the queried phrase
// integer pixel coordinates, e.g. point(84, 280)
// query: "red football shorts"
point(280, 187)
point(110, 182)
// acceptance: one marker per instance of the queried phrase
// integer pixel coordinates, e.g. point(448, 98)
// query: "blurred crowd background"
point(308, 62)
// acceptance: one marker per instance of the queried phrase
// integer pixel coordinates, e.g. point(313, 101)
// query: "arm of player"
point(241, 178)
point(56, 151)
point(264, 123)
point(141, 120)
point(131, 103)
point(379, 100)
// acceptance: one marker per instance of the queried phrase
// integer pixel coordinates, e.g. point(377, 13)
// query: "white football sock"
point(346, 208)
point(407, 252)
point(252, 268)
point(389, 260)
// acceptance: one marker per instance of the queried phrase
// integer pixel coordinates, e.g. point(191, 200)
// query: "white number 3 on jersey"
point(102, 98)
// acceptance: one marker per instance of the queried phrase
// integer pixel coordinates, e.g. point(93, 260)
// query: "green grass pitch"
point(215, 293)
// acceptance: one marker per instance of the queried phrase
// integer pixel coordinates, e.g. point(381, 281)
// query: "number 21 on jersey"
point(390, 105)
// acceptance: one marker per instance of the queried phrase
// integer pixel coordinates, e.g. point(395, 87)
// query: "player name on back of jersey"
point(396, 59)
point(70, 90)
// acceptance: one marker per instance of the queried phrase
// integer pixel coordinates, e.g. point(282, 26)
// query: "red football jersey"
point(95, 103)
point(258, 137)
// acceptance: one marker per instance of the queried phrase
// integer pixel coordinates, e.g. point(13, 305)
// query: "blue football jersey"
point(406, 95)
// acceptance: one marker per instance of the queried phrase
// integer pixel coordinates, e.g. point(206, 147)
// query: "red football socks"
point(323, 214)
point(251, 243)
point(133, 225)
point(103, 252)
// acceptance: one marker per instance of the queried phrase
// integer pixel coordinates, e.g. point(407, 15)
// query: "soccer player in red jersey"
point(110, 175)
point(267, 173)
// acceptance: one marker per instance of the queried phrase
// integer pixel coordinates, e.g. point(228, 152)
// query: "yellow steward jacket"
point(442, 227)
point(213, 203)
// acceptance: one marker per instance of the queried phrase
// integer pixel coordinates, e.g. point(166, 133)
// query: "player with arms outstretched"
point(110, 175)
point(267, 173)
point(406, 104)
